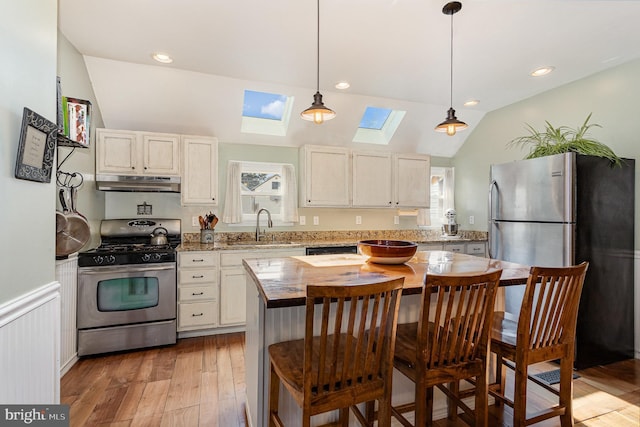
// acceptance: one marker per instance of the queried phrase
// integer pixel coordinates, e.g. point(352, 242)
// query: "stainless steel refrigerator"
point(561, 210)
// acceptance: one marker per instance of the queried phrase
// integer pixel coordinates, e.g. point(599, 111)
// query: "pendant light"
point(318, 113)
point(451, 124)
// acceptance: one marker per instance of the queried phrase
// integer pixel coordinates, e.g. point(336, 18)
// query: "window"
point(378, 125)
point(442, 184)
point(265, 113)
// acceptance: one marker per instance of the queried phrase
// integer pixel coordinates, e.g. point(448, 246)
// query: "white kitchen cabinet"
point(197, 290)
point(476, 248)
point(412, 180)
point(199, 185)
point(125, 152)
point(233, 286)
point(372, 179)
point(430, 247)
point(459, 248)
point(325, 176)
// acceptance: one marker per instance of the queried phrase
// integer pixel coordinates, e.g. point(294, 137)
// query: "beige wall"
point(612, 96)
point(27, 79)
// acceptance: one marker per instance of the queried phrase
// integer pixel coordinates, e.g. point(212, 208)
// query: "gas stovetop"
point(127, 241)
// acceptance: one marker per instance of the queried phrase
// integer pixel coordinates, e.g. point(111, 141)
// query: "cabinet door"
point(326, 176)
point(412, 174)
point(161, 154)
point(233, 290)
point(372, 179)
point(478, 249)
point(199, 171)
point(116, 152)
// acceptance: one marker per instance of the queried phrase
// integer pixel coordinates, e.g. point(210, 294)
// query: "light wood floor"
point(201, 382)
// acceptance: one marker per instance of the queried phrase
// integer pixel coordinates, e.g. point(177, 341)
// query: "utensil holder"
point(206, 236)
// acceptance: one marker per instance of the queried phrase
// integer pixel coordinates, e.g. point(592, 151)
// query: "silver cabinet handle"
point(491, 186)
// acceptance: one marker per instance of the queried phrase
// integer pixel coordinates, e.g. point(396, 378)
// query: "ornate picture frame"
point(36, 149)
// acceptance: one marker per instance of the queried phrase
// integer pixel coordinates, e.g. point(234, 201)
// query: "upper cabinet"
point(412, 179)
point(372, 184)
point(137, 153)
point(325, 176)
point(199, 171)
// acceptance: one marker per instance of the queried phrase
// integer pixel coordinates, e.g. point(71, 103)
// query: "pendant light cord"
point(451, 67)
point(318, 50)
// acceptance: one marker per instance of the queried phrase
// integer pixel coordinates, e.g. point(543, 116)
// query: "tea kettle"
point(159, 236)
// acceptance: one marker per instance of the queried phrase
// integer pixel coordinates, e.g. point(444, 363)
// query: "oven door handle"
point(130, 268)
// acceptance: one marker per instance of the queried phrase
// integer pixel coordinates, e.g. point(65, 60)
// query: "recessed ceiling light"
point(471, 103)
point(542, 71)
point(162, 57)
point(342, 85)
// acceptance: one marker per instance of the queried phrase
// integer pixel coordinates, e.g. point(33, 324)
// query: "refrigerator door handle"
point(491, 186)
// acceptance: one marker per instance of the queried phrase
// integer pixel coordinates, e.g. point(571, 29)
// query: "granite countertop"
point(285, 240)
point(282, 282)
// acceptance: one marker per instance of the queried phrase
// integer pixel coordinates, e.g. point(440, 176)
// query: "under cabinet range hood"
point(138, 183)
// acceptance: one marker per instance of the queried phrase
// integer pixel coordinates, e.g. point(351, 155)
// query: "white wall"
point(28, 31)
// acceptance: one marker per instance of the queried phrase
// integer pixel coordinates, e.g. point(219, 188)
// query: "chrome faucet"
point(269, 224)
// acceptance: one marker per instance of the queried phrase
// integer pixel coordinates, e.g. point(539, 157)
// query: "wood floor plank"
point(185, 383)
point(209, 399)
point(129, 405)
point(152, 404)
point(183, 417)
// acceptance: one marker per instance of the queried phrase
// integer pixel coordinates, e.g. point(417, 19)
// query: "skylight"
point(378, 125)
point(265, 113)
point(374, 118)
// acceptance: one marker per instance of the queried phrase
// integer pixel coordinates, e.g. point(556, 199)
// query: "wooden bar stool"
point(544, 331)
point(346, 364)
point(447, 344)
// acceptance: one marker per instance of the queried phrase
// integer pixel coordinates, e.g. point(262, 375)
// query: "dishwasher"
point(329, 250)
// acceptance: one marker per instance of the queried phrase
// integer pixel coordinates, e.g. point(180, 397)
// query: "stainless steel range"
point(127, 286)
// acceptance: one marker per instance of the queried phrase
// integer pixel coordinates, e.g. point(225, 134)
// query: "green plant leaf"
point(562, 139)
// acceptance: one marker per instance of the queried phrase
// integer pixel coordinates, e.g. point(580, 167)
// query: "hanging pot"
point(72, 232)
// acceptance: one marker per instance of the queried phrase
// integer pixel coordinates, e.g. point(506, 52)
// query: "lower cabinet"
point(233, 286)
point(197, 290)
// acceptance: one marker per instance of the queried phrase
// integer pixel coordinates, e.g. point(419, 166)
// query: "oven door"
point(126, 294)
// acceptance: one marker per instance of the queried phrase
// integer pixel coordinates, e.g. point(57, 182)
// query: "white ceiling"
point(395, 53)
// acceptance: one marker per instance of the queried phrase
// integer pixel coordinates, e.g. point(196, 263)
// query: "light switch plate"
point(472, 220)
point(316, 220)
point(396, 219)
point(302, 220)
point(194, 221)
point(358, 220)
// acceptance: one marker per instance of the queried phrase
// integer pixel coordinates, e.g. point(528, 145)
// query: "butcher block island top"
point(282, 282)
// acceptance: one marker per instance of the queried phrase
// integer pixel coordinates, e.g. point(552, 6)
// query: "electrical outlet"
point(396, 219)
point(358, 220)
point(194, 221)
point(472, 220)
point(316, 220)
point(302, 220)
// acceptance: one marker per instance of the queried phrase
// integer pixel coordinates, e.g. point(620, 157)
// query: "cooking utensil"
point(75, 234)
point(214, 221)
point(202, 225)
point(159, 236)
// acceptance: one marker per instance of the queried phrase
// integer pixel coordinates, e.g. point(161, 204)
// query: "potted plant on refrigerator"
point(555, 140)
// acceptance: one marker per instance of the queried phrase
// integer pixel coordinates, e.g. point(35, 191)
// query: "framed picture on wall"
point(36, 147)
point(77, 120)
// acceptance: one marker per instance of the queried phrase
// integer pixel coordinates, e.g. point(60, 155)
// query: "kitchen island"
point(276, 290)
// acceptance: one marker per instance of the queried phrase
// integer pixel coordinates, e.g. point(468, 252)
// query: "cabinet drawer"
point(198, 259)
point(430, 247)
point(193, 315)
point(455, 247)
point(197, 275)
point(196, 293)
point(476, 249)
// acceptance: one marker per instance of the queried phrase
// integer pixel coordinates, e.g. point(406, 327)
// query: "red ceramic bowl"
point(387, 251)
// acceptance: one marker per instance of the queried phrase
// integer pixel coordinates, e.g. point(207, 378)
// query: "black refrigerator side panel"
point(605, 237)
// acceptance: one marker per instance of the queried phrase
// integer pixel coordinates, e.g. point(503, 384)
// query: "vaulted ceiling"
point(394, 53)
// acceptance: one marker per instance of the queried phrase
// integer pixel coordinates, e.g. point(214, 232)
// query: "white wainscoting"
point(30, 350)
point(67, 276)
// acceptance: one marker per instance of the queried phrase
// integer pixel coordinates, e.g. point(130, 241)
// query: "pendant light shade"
point(318, 113)
point(451, 125)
